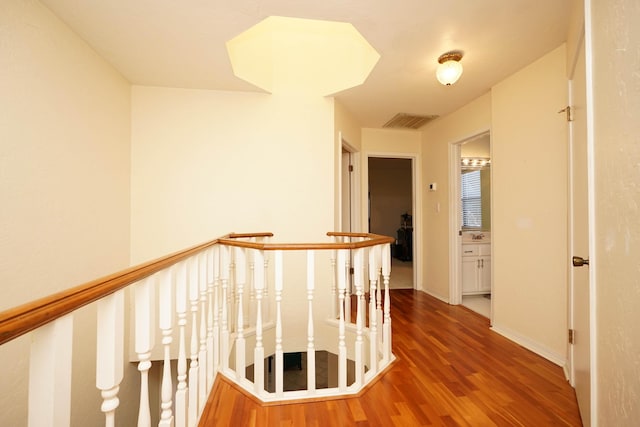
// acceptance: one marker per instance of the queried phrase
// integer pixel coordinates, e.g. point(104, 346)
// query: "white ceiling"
point(181, 43)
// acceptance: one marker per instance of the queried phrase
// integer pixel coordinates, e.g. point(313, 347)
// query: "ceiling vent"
point(409, 121)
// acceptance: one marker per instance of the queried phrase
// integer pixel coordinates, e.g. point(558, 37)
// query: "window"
point(471, 200)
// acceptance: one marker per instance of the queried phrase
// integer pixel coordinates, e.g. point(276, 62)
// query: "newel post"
point(50, 374)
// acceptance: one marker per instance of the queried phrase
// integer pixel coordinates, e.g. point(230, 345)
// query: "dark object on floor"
point(404, 244)
point(292, 360)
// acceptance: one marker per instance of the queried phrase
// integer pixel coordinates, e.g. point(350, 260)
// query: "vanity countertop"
point(476, 237)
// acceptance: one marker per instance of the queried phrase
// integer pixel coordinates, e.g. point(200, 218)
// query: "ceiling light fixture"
point(450, 69)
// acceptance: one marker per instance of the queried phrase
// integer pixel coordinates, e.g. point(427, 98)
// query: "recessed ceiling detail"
point(296, 55)
point(409, 121)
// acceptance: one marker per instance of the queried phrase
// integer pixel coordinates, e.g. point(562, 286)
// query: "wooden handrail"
point(373, 240)
point(32, 315)
point(19, 320)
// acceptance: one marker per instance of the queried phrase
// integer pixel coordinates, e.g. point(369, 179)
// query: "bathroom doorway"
point(471, 278)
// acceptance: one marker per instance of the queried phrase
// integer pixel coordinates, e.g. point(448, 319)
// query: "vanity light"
point(475, 162)
point(450, 69)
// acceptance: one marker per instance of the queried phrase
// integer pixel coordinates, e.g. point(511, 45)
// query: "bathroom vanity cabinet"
point(476, 268)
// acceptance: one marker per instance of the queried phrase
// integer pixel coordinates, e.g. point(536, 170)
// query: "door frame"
point(416, 201)
point(587, 34)
point(455, 240)
point(354, 188)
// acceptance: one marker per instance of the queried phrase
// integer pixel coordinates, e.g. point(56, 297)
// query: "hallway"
point(450, 370)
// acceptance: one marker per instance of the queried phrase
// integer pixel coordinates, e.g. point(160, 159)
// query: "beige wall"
point(205, 163)
point(346, 129)
point(348, 126)
point(437, 137)
point(616, 96)
point(529, 208)
point(64, 185)
point(529, 234)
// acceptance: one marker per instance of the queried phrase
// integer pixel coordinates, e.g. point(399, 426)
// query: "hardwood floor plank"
point(451, 370)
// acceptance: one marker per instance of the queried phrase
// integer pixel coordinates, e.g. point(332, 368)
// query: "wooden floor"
point(451, 370)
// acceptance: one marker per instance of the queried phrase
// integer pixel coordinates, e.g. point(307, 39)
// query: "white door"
point(580, 240)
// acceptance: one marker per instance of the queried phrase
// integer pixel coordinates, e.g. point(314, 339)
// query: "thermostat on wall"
point(433, 186)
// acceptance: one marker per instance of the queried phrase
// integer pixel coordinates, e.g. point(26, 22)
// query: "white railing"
point(238, 306)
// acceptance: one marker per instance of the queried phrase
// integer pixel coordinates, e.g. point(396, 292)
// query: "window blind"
point(471, 200)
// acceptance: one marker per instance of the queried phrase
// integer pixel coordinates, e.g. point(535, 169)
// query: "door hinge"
point(350, 168)
point(572, 336)
point(568, 111)
point(351, 270)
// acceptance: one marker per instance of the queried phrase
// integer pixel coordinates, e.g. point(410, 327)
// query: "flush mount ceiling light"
point(450, 69)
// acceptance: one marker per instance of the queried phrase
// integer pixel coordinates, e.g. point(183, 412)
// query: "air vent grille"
point(409, 121)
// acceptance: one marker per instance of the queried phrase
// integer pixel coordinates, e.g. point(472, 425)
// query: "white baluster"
point(378, 254)
point(251, 317)
point(266, 308)
point(211, 280)
point(279, 354)
point(202, 356)
point(194, 371)
point(144, 341)
point(224, 304)
point(110, 352)
point(334, 283)
point(181, 310)
point(258, 352)
point(386, 330)
point(373, 316)
point(231, 292)
point(347, 296)
point(166, 326)
point(50, 374)
point(216, 307)
point(342, 348)
point(311, 350)
point(241, 280)
point(358, 282)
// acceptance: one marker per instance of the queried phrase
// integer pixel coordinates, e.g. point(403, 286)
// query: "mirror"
point(475, 167)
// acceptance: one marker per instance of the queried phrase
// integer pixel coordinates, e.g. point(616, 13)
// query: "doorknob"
point(579, 261)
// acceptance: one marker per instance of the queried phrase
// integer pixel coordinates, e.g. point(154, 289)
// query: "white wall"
point(616, 95)
point(205, 163)
point(437, 137)
point(529, 164)
point(64, 185)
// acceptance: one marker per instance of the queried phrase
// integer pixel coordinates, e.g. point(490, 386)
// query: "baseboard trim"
point(532, 345)
point(440, 297)
point(567, 374)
